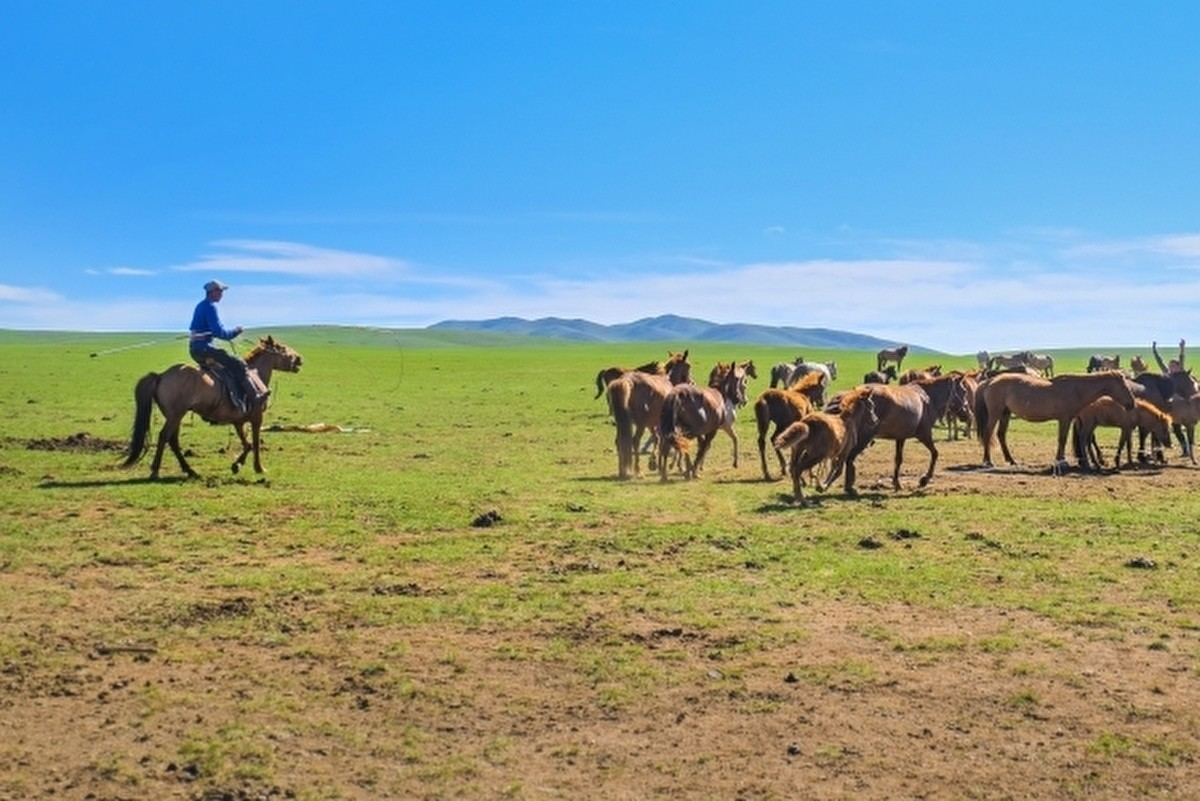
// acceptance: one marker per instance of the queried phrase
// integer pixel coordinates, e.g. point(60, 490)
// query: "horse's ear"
point(685, 355)
point(270, 339)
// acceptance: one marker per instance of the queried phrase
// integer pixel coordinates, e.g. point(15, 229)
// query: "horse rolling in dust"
point(636, 400)
point(827, 437)
point(1107, 412)
point(183, 388)
point(696, 412)
point(891, 355)
point(784, 407)
point(1039, 400)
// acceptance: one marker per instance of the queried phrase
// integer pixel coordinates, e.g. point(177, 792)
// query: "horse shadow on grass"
point(112, 482)
point(785, 502)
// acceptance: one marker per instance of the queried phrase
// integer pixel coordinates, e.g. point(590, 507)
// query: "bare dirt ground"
point(875, 701)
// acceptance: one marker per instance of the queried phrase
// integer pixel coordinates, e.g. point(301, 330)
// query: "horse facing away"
point(1038, 400)
point(183, 388)
point(781, 373)
point(610, 374)
point(892, 355)
point(699, 412)
point(636, 401)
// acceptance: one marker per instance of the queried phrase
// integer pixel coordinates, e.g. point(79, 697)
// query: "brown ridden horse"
point(183, 388)
point(781, 407)
point(827, 437)
point(895, 355)
point(693, 412)
point(903, 412)
point(636, 401)
point(1038, 400)
point(1107, 412)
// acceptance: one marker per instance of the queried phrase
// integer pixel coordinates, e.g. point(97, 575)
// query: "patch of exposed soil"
point(82, 441)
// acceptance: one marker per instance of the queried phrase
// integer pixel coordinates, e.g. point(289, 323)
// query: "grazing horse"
point(782, 407)
point(1107, 412)
point(887, 375)
point(894, 355)
point(183, 388)
point(827, 437)
point(781, 373)
point(1042, 362)
point(636, 401)
point(1038, 400)
point(904, 412)
point(696, 412)
point(1099, 363)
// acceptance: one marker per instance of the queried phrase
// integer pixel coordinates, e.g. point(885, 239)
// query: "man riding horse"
point(206, 324)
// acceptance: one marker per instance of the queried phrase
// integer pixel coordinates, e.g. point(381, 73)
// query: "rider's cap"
point(214, 284)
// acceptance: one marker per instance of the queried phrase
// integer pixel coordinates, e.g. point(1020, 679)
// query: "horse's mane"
point(1153, 411)
point(810, 381)
point(851, 397)
point(261, 347)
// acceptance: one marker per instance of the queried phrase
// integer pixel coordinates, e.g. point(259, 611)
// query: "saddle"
point(230, 384)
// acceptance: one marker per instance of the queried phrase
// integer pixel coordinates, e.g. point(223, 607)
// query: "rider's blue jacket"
point(206, 324)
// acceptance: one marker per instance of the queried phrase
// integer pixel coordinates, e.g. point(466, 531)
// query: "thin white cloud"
point(774, 230)
point(131, 271)
point(290, 258)
point(25, 294)
point(1175, 246)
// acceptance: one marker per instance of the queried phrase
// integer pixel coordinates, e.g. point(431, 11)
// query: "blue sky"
point(979, 176)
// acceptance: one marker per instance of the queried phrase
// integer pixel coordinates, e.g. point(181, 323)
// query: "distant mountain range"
point(671, 328)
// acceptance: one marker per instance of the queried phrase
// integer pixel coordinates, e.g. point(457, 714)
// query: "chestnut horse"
point(183, 388)
point(783, 407)
point(827, 437)
point(904, 412)
point(636, 402)
point(693, 412)
point(1107, 412)
point(610, 374)
point(1038, 400)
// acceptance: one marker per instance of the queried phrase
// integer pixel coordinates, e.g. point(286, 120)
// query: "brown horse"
point(1107, 412)
point(961, 410)
point(693, 412)
point(827, 437)
point(1185, 411)
point(1099, 363)
point(1038, 400)
point(884, 376)
point(902, 413)
point(183, 388)
point(932, 371)
point(610, 374)
point(781, 407)
point(891, 355)
point(636, 401)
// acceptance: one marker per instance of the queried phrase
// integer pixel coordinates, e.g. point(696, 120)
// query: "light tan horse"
point(1107, 412)
point(699, 413)
point(1039, 400)
point(184, 388)
point(827, 437)
point(1042, 362)
point(636, 400)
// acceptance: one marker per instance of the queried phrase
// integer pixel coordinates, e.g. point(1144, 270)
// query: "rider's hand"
point(238, 330)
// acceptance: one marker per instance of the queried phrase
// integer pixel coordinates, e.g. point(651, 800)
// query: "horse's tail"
point(618, 402)
point(792, 435)
point(143, 396)
point(600, 385)
point(981, 415)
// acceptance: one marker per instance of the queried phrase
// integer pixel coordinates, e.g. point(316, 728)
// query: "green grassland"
point(356, 555)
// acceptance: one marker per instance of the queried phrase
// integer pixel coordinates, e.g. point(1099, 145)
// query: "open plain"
point(457, 599)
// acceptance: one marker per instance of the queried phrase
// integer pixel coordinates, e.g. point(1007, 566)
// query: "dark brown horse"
point(903, 412)
point(636, 401)
point(781, 407)
point(699, 413)
point(1038, 400)
point(183, 388)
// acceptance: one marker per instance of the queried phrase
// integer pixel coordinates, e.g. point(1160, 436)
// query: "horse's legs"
point(164, 437)
point(1064, 427)
point(927, 441)
point(1002, 435)
point(762, 451)
point(733, 435)
point(240, 428)
point(702, 451)
point(255, 429)
point(896, 466)
point(175, 449)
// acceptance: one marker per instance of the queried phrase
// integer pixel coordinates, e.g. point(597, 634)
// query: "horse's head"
point(858, 408)
point(733, 383)
point(750, 369)
point(832, 370)
point(679, 369)
point(277, 354)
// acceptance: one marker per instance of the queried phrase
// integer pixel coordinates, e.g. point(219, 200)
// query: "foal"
point(824, 437)
point(690, 411)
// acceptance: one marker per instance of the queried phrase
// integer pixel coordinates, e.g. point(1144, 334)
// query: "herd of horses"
point(659, 400)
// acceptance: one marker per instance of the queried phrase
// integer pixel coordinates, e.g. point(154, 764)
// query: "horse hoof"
point(235, 467)
point(923, 482)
